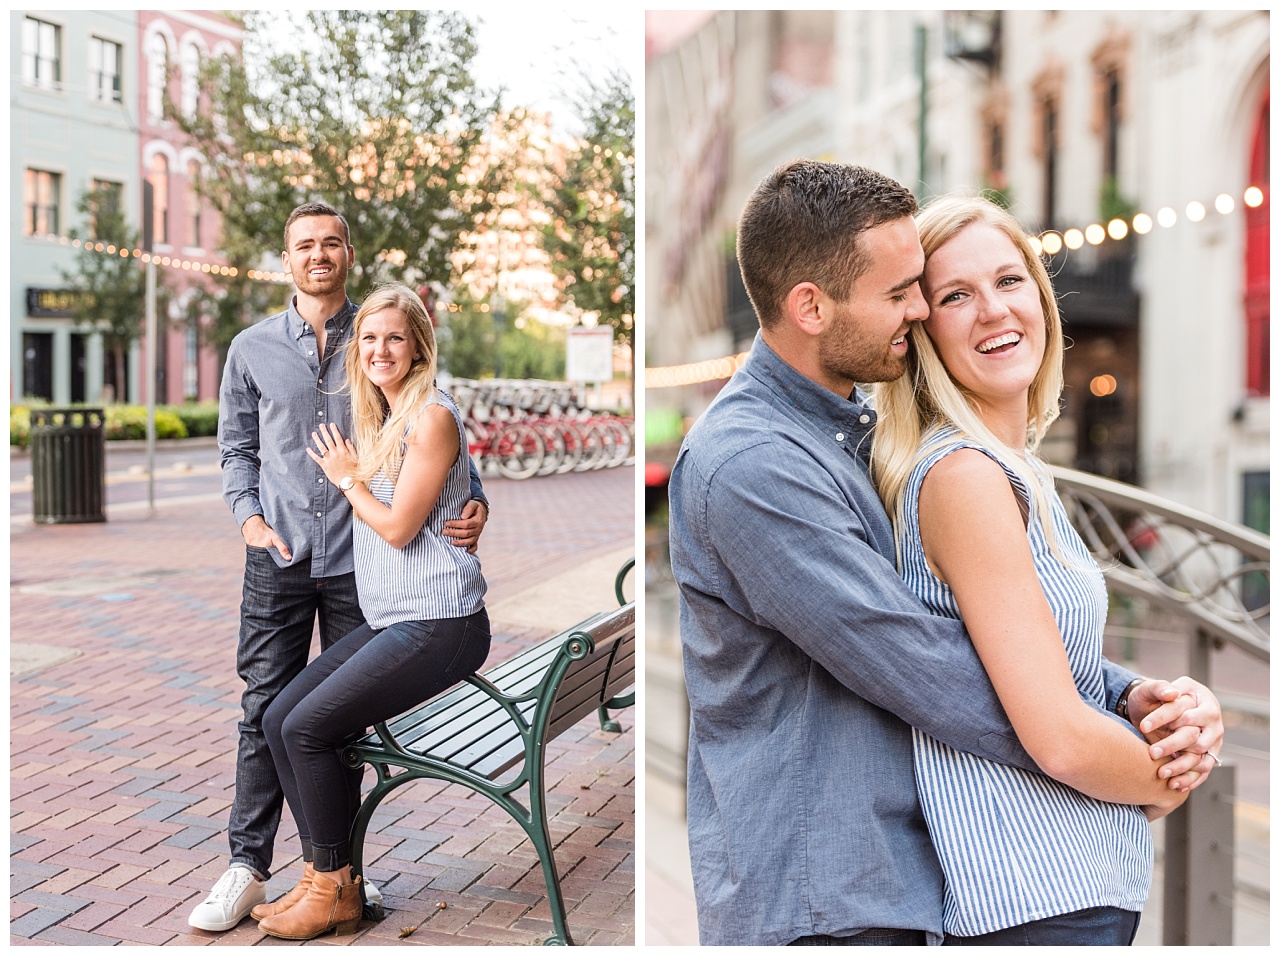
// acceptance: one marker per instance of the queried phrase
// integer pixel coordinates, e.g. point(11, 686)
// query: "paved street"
point(123, 723)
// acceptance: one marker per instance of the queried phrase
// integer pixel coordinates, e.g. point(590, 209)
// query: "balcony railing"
point(1217, 576)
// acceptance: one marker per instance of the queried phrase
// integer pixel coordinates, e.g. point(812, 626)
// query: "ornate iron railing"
point(1216, 576)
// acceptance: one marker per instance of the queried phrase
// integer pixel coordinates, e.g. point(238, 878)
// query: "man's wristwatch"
point(1122, 705)
point(347, 483)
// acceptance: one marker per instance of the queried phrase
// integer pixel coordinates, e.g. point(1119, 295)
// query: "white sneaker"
point(236, 892)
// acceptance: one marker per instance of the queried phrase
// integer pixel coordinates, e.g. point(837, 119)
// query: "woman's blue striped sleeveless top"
point(428, 578)
point(1018, 846)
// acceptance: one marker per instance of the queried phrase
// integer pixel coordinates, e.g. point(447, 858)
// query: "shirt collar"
point(802, 392)
point(340, 320)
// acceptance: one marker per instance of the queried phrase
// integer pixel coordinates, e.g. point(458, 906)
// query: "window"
point(193, 205)
point(1049, 134)
point(104, 70)
point(1111, 125)
point(159, 179)
point(157, 76)
point(190, 79)
point(191, 359)
point(41, 190)
point(41, 62)
point(106, 203)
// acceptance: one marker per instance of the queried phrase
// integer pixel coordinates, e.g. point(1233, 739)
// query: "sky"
point(536, 52)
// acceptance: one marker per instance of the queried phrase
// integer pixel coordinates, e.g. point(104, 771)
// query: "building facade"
point(173, 47)
point(72, 125)
point(87, 113)
point(1075, 118)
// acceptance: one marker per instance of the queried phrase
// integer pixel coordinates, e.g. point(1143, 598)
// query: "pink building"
point(173, 46)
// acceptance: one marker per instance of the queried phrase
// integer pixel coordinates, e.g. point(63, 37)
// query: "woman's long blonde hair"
point(378, 431)
point(912, 410)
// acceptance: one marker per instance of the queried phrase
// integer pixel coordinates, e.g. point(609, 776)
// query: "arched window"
point(157, 76)
point(159, 179)
point(190, 79)
point(194, 232)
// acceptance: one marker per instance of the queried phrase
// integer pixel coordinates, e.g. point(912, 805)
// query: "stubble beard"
point(321, 285)
point(842, 353)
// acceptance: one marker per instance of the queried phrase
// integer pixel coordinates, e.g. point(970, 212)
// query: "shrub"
point(200, 418)
point(130, 422)
point(19, 425)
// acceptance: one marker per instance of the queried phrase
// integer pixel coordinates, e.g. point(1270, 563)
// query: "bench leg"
point(540, 835)
point(359, 828)
point(607, 722)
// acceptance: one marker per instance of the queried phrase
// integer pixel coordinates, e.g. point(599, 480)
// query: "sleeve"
point(238, 438)
point(801, 561)
point(477, 489)
point(1116, 679)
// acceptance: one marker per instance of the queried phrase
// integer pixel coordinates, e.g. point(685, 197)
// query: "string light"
point(172, 262)
point(1048, 243)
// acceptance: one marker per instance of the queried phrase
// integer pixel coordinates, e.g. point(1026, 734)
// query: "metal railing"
point(1216, 576)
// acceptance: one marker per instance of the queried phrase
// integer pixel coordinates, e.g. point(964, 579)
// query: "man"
point(807, 660)
point(284, 376)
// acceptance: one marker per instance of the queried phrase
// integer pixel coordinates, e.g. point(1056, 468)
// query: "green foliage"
point(19, 425)
point(125, 422)
point(465, 341)
point(1113, 205)
point(113, 298)
point(200, 419)
point(374, 111)
point(591, 239)
point(535, 351)
point(121, 422)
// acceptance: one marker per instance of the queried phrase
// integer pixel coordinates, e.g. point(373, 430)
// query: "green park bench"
point(473, 733)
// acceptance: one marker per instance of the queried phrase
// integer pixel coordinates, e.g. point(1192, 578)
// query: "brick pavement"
point(122, 760)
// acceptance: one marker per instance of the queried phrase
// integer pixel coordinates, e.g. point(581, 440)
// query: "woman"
point(982, 535)
point(422, 599)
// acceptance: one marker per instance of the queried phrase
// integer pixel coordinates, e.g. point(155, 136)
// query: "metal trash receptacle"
point(68, 465)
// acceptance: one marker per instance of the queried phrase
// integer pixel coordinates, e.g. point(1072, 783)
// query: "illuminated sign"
point(56, 303)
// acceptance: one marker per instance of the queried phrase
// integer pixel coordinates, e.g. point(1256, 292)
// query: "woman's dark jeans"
point(368, 676)
point(1099, 926)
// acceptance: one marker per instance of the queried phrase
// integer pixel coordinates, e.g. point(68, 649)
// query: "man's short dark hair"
point(802, 224)
point(315, 209)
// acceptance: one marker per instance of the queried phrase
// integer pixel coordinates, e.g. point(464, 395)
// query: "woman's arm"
point(975, 541)
point(432, 448)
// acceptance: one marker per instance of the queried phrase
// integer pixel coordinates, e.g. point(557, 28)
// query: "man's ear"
point(805, 307)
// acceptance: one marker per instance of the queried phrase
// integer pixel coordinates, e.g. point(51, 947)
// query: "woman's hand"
point(1180, 717)
point(337, 457)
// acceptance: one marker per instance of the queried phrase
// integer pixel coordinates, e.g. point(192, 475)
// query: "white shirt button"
point(839, 436)
point(864, 419)
point(319, 515)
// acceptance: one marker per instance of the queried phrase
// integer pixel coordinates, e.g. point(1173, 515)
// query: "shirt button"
point(320, 414)
point(309, 352)
point(319, 515)
point(839, 436)
point(864, 419)
point(319, 480)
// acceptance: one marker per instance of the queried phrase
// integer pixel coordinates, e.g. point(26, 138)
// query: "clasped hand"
point(337, 455)
point(1181, 717)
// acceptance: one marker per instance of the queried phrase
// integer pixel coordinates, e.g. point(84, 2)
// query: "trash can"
point(68, 465)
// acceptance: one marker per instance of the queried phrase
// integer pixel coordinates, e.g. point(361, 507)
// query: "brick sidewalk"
point(122, 759)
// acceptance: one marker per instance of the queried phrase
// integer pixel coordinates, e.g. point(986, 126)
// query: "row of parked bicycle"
point(524, 428)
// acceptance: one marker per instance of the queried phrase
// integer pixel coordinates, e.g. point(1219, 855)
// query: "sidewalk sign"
point(589, 354)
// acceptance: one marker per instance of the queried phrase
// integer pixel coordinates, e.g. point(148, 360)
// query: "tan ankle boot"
point(328, 905)
point(263, 910)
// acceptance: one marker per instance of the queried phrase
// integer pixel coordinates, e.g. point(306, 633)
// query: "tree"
point(111, 283)
point(374, 112)
point(591, 239)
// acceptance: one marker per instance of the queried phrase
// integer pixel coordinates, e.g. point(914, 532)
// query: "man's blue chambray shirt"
point(806, 657)
point(275, 391)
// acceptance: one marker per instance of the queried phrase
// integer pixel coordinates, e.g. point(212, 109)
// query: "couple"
point(881, 759)
point(398, 592)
